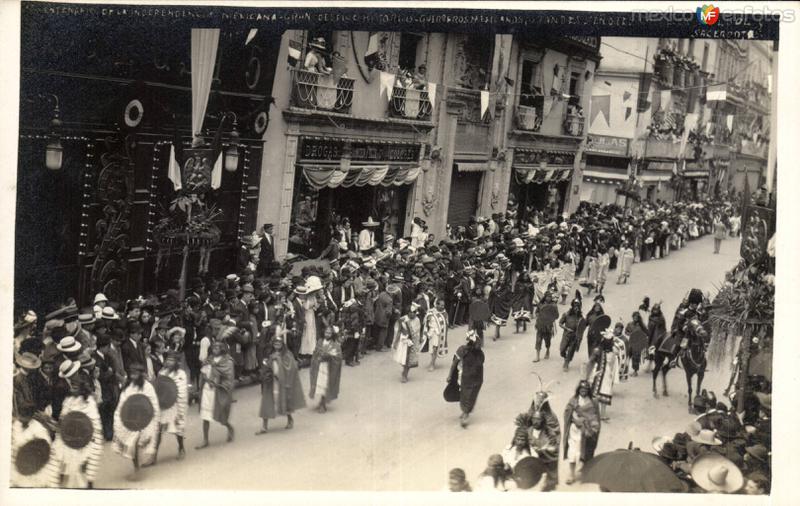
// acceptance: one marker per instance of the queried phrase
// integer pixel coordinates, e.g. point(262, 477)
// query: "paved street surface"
point(386, 436)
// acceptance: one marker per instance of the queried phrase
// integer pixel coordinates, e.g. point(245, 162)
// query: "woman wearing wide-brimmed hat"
point(315, 59)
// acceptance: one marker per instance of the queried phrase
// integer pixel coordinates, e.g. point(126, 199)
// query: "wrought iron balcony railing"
point(410, 103)
point(573, 124)
point(312, 90)
point(529, 118)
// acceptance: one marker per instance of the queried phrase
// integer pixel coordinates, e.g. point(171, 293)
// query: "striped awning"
point(601, 174)
point(332, 176)
point(655, 178)
point(539, 176)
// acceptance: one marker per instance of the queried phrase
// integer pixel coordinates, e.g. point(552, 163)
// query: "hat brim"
point(71, 372)
point(734, 480)
point(696, 439)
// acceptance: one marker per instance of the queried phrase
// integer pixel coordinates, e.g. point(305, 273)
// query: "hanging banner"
point(204, 58)
point(174, 171)
point(628, 111)
point(432, 96)
point(216, 173)
point(729, 122)
point(601, 104)
point(250, 36)
point(626, 95)
point(547, 107)
point(295, 51)
point(717, 92)
point(387, 83)
point(484, 103)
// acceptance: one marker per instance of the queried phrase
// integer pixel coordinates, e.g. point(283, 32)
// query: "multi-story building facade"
point(431, 125)
point(647, 119)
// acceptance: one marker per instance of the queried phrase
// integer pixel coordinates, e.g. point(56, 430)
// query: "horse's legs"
point(689, 373)
point(664, 372)
point(656, 368)
point(701, 372)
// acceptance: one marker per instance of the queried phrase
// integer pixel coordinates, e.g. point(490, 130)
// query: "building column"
point(286, 194)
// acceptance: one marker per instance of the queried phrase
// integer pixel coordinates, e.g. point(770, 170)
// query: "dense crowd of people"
point(127, 371)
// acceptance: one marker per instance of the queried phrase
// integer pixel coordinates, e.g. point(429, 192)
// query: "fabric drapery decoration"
point(547, 106)
point(432, 97)
point(216, 173)
point(484, 103)
point(319, 177)
point(729, 122)
point(387, 83)
point(689, 124)
point(174, 170)
point(204, 57)
point(539, 176)
point(472, 167)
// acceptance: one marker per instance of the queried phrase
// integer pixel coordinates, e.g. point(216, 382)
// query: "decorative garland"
point(83, 243)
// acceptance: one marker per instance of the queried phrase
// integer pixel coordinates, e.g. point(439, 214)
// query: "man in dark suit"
point(108, 384)
point(133, 350)
point(267, 254)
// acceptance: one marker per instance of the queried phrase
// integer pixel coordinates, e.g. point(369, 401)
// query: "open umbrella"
point(631, 471)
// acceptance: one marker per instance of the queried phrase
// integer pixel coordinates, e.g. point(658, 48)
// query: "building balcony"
point(312, 90)
point(410, 103)
point(666, 149)
point(529, 118)
point(752, 148)
point(573, 124)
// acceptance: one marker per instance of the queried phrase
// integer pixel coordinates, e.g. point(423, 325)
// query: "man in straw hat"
point(366, 238)
point(716, 474)
point(173, 409)
point(136, 422)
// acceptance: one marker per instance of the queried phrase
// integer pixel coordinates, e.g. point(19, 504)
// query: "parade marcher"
point(496, 477)
point(281, 389)
point(407, 341)
point(34, 463)
point(593, 338)
point(626, 258)
point(570, 341)
point(635, 324)
point(78, 459)
point(467, 371)
point(581, 428)
point(545, 325)
point(522, 304)
point(457, 481)
point(133, 438)
point(326, 369)
point(173, 417)
point(656, 331)
point(217, 391)
point(720, 232)
point(545, 443)
point(604, 371)
point(435, 332)
point(351, 324)
point(519, 448)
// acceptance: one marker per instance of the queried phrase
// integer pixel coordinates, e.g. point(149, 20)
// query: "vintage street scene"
point(312, 255)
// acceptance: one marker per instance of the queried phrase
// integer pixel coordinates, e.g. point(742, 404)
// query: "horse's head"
point(696, 330)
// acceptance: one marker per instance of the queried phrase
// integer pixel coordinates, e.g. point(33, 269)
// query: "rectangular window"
point(705, 56)
point(529, 84)
point(691, 48)
point(407, 59)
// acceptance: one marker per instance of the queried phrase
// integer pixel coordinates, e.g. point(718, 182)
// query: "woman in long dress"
point(626, 262)
point(500, 300)
point(281, 389)
point(407, 341)
point(309, 304)
point(581, 428)
point(326, 369)
point(467, 370)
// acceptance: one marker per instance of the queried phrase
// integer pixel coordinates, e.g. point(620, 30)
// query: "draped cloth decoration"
point(538, 176)
point(319, 177)
point(174, 171)
point(216, 173)
point(204, 57)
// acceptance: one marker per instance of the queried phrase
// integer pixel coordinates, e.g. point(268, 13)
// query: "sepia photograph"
point(392, 248)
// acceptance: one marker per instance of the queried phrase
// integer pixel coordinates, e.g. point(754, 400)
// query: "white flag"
point(547, 106)
point(432, 95)
point(484, 102)
point(729, 122)
point(251, 35)
point(174, 171)
point(216, 173)
point(717, 92)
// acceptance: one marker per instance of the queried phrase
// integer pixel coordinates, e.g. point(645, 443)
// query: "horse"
point(687, 348)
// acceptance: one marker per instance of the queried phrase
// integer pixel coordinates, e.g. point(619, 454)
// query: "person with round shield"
point(571, 321)
point(281, 389)
point(33, 463)
point(217, 390)
point(435, 331)
point(172, 389)
point(136, 418)
point(594, 337)
point(79, 443)
point(546, 316)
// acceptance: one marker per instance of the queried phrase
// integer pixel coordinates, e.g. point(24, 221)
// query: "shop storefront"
point(606, 171)
point(541, 180)
point(337, 178)
point(657, 180)
point(695, 181)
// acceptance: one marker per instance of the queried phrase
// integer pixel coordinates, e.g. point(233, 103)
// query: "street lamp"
point(54, 152)
point(232, 153)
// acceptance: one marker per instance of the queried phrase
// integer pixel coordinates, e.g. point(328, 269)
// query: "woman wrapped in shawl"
point(326, 369)
point(581, 428)
point(281, 389)
point(217, 390)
